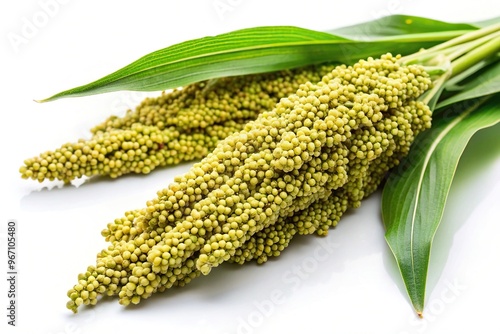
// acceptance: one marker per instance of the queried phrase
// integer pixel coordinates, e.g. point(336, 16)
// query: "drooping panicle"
point(295, 169)
point(183, 125)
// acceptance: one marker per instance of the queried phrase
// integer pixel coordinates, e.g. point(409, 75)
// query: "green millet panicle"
point(206, 103)
point(266, 243)
point(295, 169)
point(179, 126)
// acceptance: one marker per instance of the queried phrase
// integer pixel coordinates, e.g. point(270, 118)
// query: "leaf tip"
point(420, 314)
point(47, 99)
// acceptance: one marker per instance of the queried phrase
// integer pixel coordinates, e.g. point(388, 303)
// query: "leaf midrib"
point(428, 156)
point(409, 38)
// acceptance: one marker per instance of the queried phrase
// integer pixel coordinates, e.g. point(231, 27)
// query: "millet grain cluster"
point(178, 126)
point(295, 169)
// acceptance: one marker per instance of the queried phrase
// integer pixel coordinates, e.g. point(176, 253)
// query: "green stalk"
point(452, 45)
point(431, 97)
point(474, 35)
point(476, 55)
point(426, 56)
point(455, 57)
point(466, 47)
point(453, 83)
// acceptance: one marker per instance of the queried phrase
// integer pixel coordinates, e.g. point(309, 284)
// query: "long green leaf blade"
point(414, 196)
point(246, 51)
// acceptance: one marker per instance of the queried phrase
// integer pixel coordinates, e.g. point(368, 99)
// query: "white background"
point(356, 289)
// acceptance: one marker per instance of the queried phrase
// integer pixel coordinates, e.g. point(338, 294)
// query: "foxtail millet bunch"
point(294, 170)
point(178, 126)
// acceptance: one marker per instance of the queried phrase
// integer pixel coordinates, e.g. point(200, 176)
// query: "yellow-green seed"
point(295, 169)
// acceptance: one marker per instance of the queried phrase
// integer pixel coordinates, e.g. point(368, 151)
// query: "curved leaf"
point(247, 51)
point(414, 196)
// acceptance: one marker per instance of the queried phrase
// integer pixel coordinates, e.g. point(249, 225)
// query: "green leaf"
point(394, 25)
point(247, 51)
point(487, 82)
point(414, 196)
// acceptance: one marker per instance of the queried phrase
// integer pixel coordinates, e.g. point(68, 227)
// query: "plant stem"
point(455, 57)
point(424, 57)
point(454, 45)
point(476, 55)
point(430, 98)
point(453, 83)
point(434, 71)
point(466, 47)
point(467, 37)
